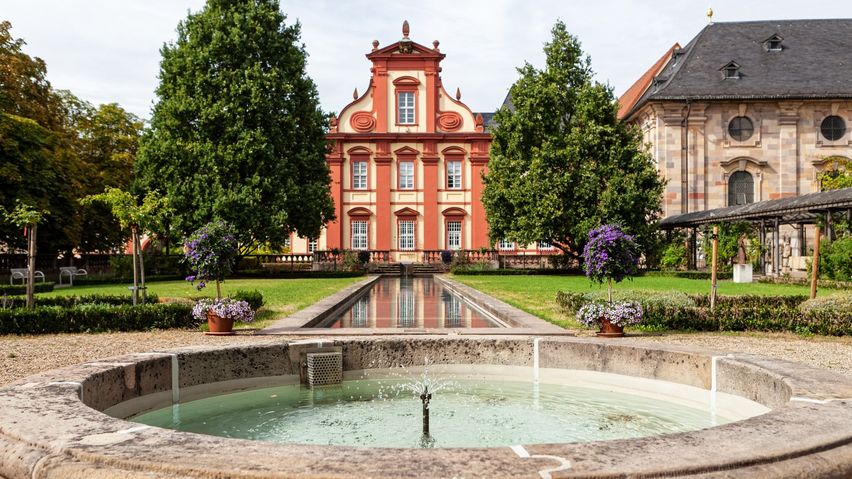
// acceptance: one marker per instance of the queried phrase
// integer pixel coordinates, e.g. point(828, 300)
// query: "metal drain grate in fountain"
point(325, 368)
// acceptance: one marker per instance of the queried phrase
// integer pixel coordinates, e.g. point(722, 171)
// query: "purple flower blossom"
point(210, 253)
point(610, 254)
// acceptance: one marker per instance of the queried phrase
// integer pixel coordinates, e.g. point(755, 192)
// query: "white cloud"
point(107, 50)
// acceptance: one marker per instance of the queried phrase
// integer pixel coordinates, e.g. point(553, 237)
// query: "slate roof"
point(628, 100)
point(815, 62)
point(488, 117)
point(804, 209)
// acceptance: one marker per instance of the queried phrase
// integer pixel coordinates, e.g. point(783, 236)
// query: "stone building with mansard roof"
point(747, 111)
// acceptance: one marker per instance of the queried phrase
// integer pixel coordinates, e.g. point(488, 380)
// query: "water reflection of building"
point(411, 303)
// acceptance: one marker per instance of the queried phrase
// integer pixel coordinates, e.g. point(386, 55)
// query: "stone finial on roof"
point(458, 93)
point(709, 15)
point(333, 123)
point(478, 122)
point(355, 94)
point(375, 45)
point(405, 29)
point(435, 44)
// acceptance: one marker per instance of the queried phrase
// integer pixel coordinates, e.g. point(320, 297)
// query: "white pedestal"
point(742, 273)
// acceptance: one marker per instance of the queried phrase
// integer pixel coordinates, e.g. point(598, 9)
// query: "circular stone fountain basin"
point(498, 406)
point(54, 425)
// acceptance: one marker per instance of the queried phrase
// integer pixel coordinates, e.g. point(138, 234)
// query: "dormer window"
point(731, 71)
point(773, 44)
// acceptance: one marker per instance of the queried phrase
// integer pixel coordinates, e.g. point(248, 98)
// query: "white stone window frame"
point(454, 175)
point(544, 245)
point(360, 235)
point(359, 175)
point(754, 141)
point(313, 243)
point(749, 165)
point(834, 110)
point(824, 164)
point(406, 110)
point(406, 175)
point(454, 235)
point(406, 240)
point(506, 245)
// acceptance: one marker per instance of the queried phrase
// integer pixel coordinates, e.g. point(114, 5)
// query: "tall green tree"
point(35, 167)
point(237, 133)
point(54, 150)
point(561, 162)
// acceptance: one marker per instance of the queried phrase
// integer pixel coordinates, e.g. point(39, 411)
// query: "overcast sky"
point(108, 50)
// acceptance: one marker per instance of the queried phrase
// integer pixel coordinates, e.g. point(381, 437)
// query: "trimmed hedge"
point(830, 316)
point(21, 289)
point(264, 273)
point(253, 298)
point(515, 272)
point(703, 275)
point(93, 318)
point(70, 301)
point(83, 280)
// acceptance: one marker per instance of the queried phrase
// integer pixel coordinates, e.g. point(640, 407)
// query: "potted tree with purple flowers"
point(210, 253)
point(610, 255)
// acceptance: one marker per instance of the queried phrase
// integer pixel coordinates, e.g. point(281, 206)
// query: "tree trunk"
point(141, 268)
point(609, 289)
point(218, 290)
point(31, 253)
point(135, 274)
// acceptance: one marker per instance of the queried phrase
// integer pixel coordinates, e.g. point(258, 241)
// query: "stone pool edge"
point(46, 430)
point(303, 322)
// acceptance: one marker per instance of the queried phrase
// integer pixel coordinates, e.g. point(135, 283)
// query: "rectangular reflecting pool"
point(410, 302)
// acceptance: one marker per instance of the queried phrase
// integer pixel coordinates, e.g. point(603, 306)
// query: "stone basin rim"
point(47, 431)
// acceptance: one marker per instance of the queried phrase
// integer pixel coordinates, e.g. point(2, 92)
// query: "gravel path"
point(21, 356)
point(822, 352)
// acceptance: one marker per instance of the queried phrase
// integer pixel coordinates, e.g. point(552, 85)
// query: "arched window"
point(740, 188)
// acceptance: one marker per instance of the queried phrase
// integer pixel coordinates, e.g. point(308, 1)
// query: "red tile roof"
point(628, 100)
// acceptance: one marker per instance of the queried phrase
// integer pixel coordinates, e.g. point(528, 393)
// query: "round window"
point(741, 128)
point(833, 128)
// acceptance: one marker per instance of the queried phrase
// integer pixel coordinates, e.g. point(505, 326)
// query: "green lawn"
point(537, 294)
point(281, 296)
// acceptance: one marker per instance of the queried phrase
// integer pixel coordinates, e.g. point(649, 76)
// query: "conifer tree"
point(562, 163)
point(237, 133)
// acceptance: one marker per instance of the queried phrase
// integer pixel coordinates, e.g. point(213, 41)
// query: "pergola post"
point(693, 249)
point(762, 239)
point(828, 226)
point(776, 248)
point(715, 238)
point(803, 247)
point(815, 264)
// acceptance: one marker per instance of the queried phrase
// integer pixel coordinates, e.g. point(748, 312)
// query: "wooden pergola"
point(797, 211)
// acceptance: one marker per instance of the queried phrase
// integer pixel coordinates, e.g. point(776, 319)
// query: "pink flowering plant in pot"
point(610, 255)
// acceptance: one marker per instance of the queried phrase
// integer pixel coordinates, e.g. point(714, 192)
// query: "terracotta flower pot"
point(219, 326)
point(609, 330)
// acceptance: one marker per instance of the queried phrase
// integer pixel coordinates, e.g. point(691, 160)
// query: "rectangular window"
point(359, 175)
point(405, 103)
point(454, 234)
point(454, 175)
point(359, 235)
point(312, 245)
point(544, 245)
point(406, 175)
point(406, 235)
point(506, 245)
